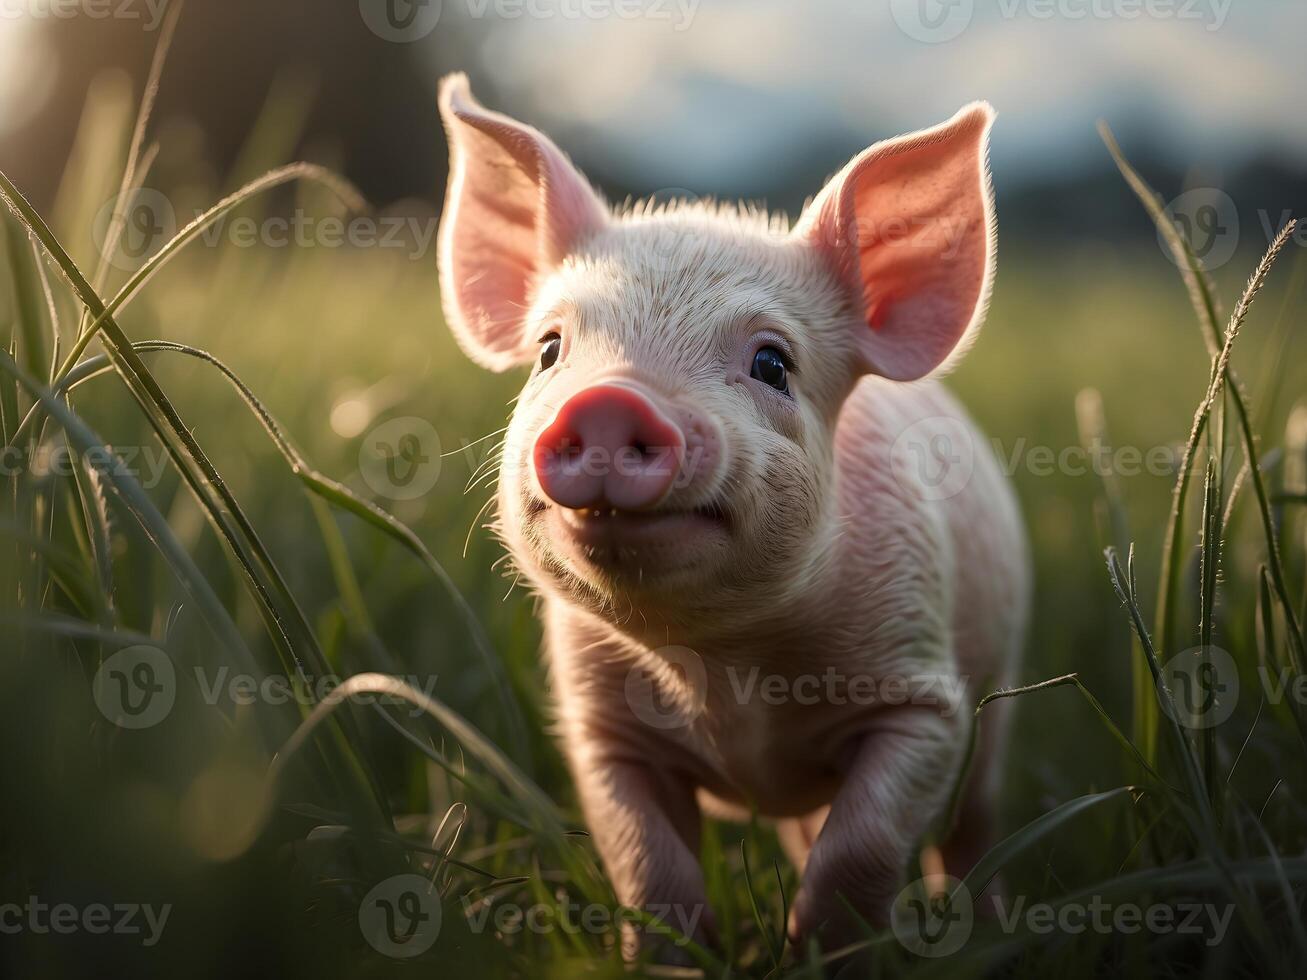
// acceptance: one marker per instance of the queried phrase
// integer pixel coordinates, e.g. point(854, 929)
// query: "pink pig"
point(741, 500)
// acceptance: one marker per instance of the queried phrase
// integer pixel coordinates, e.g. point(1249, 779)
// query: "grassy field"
point(265, 857)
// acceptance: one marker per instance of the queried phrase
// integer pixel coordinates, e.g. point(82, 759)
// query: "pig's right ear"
point(908, 227)
point(514, 209)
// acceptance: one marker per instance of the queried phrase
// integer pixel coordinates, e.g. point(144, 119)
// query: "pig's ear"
point(908, 226)
point(514, 209)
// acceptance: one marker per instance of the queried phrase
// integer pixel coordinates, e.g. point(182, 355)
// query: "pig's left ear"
point(908, 226)
point(514, 209)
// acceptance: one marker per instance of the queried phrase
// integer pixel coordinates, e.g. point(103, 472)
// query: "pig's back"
point(922, 493)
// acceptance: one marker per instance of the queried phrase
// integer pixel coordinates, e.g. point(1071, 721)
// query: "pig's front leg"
point(645, 825)
point(898, 784)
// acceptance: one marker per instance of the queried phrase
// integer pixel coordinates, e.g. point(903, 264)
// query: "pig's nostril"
point(602, 448)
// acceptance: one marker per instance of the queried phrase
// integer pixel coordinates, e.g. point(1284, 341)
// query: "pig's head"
point(673, 448)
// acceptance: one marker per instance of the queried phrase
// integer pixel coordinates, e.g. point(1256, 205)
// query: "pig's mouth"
point(609, 535)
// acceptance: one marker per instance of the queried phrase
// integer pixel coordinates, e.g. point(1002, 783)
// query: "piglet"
point(774, 561)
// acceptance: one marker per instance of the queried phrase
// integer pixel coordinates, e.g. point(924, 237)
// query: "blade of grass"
point(29, 307)
point(1208, 575)
point(1186, 879)
point(1123, 583)
point(763, 928)
point(1205, 825)
point(103, 314)
point(1204, 303)
point(96, 522)
point(1067, 680)
point(1267, 648)
point(539, 806)
point(9, 405)
point(1274, 564)
point(77, 629)
point(533, 809)
point(1091, 421)
point(1199, 287)
point(1216, 385)
point(118, 221)
point(1296, 926)
point(138, 503)
point(342, 497)
point(51, 309)
point(1203, 300)
point(297, 171)
point(220, 506)
point(163, 417)
point(1001, 854)
point(63, 565)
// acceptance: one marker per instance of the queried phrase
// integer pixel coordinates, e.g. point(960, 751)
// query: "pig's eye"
point(549, 351)
point(769, 368)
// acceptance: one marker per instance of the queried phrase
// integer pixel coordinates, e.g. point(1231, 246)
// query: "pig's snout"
point(609, 446)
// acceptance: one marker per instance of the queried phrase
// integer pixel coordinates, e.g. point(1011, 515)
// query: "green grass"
point(262, 550)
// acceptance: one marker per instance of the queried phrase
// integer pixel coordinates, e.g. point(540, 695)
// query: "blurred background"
point(742, 100)
point(754, 100)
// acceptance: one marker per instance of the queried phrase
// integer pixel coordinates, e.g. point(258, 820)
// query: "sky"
point(698, 94)
point(729, 96)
